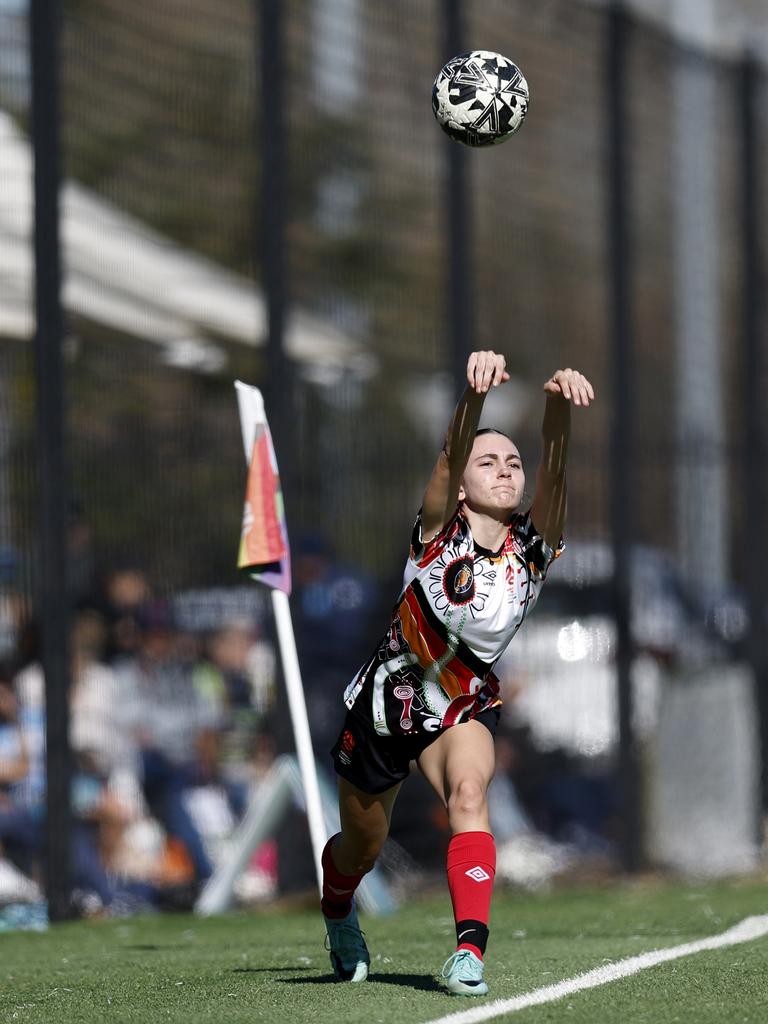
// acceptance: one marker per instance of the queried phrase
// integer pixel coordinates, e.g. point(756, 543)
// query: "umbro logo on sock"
point(478, 874)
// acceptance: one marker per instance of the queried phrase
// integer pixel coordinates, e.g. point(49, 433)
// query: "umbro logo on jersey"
point(478, 874)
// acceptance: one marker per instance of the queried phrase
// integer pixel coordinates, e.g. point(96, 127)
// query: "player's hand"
point(485, 370)
point(570, 385)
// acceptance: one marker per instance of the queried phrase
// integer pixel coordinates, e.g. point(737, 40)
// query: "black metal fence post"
point(458, 202)
point(755, 448)
point(279, 385)
point(53, 598)
point(620, 277)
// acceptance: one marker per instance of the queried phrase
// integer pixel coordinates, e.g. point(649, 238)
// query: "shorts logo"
point(346, 746)
point(478, 874)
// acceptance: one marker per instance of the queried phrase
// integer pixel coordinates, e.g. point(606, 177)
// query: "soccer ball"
point(480, 98)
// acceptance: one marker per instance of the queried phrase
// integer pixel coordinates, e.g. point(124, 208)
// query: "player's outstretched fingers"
point(585, 389)
point(472, 370)
point(500, 374)
point(483, 370)
point(488, 367)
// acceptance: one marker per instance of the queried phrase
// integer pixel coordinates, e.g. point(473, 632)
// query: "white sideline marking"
point(745, 931)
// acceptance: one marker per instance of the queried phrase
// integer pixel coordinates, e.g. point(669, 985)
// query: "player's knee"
point(467, 798)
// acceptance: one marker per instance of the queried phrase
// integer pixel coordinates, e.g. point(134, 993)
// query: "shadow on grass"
point(147, 947)
point(423, 982)
point(264, 970)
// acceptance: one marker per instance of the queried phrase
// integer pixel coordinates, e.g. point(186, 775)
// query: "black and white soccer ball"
point(480, 98)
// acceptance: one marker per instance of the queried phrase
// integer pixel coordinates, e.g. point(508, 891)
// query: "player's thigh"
point(463, 753)
point(367, 814)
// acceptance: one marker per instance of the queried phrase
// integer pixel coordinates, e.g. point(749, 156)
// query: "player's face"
point(494, 480)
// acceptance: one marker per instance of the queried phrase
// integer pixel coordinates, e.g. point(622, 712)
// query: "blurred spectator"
point(11, 602)
point(103, 798)
point(19, 832)
point(81, 575)
point(238, 677)
point(105, 789)
point(508, 816)
point(96, 732)
point(27, 797)
point(14, 762)
point(526, 856)
point(125, 591)
point(174, 725)
point(569, 798)
point(333, 607)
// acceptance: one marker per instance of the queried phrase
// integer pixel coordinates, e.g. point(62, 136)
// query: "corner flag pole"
point(264, 552)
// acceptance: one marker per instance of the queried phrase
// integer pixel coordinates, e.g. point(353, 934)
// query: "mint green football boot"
point(463, 974)
point(349, 953)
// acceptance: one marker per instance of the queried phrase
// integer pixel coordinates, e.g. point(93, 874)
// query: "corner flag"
point(264, 548)
point(265, 555)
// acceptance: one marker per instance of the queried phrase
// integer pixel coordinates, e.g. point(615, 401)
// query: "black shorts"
point(375, 763)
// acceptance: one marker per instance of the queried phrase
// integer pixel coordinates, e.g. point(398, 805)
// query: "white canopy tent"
point(122, 275)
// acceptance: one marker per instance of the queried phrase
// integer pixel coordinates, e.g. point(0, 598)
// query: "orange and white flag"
point(264, 553)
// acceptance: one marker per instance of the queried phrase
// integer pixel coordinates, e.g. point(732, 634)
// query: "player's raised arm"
point(564, 388)
point(484, 371)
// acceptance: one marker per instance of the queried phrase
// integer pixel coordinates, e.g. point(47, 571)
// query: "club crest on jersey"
point(459, 581)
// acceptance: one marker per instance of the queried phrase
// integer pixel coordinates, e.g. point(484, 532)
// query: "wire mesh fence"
point(164, 265)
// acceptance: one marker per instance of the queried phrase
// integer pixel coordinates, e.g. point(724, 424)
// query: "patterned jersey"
point(459, 608)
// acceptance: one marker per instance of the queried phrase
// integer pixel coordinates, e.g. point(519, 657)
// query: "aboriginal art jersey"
point(459, 608)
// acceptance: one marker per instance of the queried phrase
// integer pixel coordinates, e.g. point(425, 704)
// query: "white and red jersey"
point(459, 608)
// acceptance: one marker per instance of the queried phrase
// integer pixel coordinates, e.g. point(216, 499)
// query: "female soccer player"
point(428, 693)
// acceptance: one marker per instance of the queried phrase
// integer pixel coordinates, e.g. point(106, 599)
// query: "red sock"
point(338, 889)
point(471, 867)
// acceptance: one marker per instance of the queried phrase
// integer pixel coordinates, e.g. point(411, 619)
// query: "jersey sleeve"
point(421, 553)
point(537, 553)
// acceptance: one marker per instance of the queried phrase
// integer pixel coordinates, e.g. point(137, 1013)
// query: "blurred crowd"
point(169, 729)
point(176, 720)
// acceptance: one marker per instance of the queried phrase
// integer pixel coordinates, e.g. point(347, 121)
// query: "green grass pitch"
point(271, 965)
